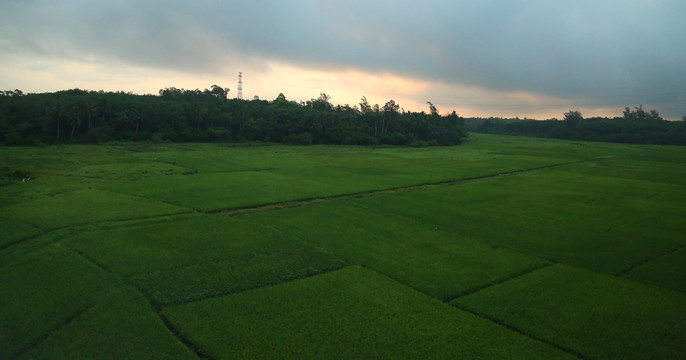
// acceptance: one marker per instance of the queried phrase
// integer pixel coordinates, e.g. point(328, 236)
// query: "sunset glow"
point(508, 58)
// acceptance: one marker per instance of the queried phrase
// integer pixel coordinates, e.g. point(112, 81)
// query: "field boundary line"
point(645, 261)
point(40, 232)
point(135, 221)
point(497, 282)
point(132, 278)
point(155, 309)
point(485, 316)
point(239, 291)
point(197, 264)
point(32, 243)
point(199, 352)
point(190, 208)
point(21, 240)
point(346, 260)
point(98, 225)
point(64, 323)
point(522, 332)
point(317, 200)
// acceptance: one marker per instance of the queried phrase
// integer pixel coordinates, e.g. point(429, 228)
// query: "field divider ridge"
point(488, 317)
point(191, 209)
point(64, 323)
point(157, 310)
point(266, 285)
point(647, 260)
point(21, 240)
point(199, 352)
point(497, 282)
point(99, 225)
point(522, 332)
point(316, 200)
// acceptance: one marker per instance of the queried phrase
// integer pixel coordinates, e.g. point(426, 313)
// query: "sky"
point(502, 58)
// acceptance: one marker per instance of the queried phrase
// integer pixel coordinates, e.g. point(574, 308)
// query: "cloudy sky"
point(526, 58)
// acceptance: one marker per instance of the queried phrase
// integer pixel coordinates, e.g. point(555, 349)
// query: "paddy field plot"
point(503, 247)
point(351, 313)
point(120, 325)
point(600, 316)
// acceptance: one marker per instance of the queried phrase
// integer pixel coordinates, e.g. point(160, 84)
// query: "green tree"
point(432, 109)
point(219, 92)
point(364, 106)
point(573, 118)
point(390, 111)
point(280, 97)
point(203, 115)
point(639, 114)
point(74, 119)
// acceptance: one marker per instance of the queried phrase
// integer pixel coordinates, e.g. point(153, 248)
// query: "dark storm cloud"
point(603, 53)
point(149, 34)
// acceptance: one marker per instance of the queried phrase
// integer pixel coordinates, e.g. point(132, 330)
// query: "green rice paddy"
point(503, 247)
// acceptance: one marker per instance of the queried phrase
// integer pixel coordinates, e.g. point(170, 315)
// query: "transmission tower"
point(240, 86)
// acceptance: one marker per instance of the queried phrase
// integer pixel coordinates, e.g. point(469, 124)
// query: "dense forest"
point(636, 126)
point(179, 115)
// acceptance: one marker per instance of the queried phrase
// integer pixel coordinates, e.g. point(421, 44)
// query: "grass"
point(352, 313)
point(598, 315)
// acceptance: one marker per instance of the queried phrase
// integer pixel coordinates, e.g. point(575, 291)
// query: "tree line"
point(636, 126)
point(180, 115)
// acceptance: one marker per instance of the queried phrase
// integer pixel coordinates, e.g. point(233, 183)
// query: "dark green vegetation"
point(598, 315)
point(351, 313)
point(636, 126)
point(504, 247)
point(177, 115)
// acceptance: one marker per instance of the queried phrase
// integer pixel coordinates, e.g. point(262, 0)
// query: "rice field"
point(503, 247)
